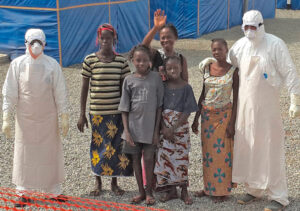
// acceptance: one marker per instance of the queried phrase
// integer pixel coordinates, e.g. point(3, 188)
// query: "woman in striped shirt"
point(104, 72)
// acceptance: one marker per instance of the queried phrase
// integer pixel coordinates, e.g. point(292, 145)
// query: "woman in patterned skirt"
point(218, 116)
point(104, 71)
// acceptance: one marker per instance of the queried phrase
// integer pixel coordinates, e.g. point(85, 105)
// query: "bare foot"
point(200, 193)
point(168, 196)
point(185, 196)
point(117, 190)
point(98, 187)
point(150, 200)
point(95, 192)
point(137, 199)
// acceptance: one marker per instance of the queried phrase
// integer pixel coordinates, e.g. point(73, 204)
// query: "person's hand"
point(129, 139)
point(206, 62)
point(230, 130)
point(162, 73)
point(64, 124)
point(81, 122)
point(159, 18)
point(168, 133)
point(195, 126)
point(294, 110)
point(6, 128)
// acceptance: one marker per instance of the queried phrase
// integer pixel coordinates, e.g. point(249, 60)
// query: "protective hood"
point(36, 49)
point(35, 34)
point(254, 18)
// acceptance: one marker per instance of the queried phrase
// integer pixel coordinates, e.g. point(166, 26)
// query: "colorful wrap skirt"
point(106, 154)
point(172, 163)
point(217, 151)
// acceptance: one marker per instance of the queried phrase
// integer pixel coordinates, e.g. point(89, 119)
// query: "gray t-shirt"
point(141, 97)
point(180, 100)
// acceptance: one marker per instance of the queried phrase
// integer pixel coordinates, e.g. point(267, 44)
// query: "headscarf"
point(107, 27)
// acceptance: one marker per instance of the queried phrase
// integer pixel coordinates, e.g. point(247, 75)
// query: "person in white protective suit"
point(35, 87)
point(265, 64)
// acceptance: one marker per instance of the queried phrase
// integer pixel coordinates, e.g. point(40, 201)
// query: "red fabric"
point(104, 27)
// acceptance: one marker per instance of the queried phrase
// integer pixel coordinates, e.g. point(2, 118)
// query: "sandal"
point(22, 202)
point(137, 199)
point(274, 205)
point(246, 199)
point(60, 198)
point(117, 190)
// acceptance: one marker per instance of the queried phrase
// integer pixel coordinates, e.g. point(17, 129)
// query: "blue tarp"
point(281, 4)
point(295, 4)
point(70, 26)
point(266, 7)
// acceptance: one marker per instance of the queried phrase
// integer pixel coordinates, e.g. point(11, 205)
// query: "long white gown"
point(259, 159)
point(37, 88)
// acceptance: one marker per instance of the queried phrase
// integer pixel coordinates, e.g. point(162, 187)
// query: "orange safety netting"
point(43, 201)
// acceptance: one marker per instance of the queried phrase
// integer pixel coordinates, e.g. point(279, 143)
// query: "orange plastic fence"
point(42, 201)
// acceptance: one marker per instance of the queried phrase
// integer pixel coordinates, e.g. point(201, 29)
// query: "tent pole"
point(58, 31)
point(109, 11)
point(149, 25)
point(228, 14)
point(198, 21)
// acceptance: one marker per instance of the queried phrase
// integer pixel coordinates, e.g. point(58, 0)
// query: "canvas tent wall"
point(295, 4)
point(70, 26)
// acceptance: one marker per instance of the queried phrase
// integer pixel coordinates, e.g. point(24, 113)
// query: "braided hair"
point(140, 47)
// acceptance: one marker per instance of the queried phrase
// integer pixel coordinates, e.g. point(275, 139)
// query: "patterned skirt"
point(172, 163)
point(106, 154)
point(217, 151)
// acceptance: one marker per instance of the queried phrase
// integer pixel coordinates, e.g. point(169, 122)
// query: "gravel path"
point(79, 180)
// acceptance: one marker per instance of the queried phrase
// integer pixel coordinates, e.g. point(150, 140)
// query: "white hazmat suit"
point(35, 85)
point(264, 66)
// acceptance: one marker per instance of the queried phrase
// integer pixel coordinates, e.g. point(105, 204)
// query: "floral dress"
point(217, 149)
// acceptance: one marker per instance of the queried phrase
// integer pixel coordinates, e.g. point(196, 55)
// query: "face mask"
point(36, 48)
point(250, 34)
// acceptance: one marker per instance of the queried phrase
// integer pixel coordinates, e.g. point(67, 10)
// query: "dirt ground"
point(79, 179)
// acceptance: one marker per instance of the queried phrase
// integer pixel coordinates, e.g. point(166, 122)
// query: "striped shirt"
point(105, 83)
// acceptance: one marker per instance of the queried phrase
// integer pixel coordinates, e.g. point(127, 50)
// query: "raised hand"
point(159, 18)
